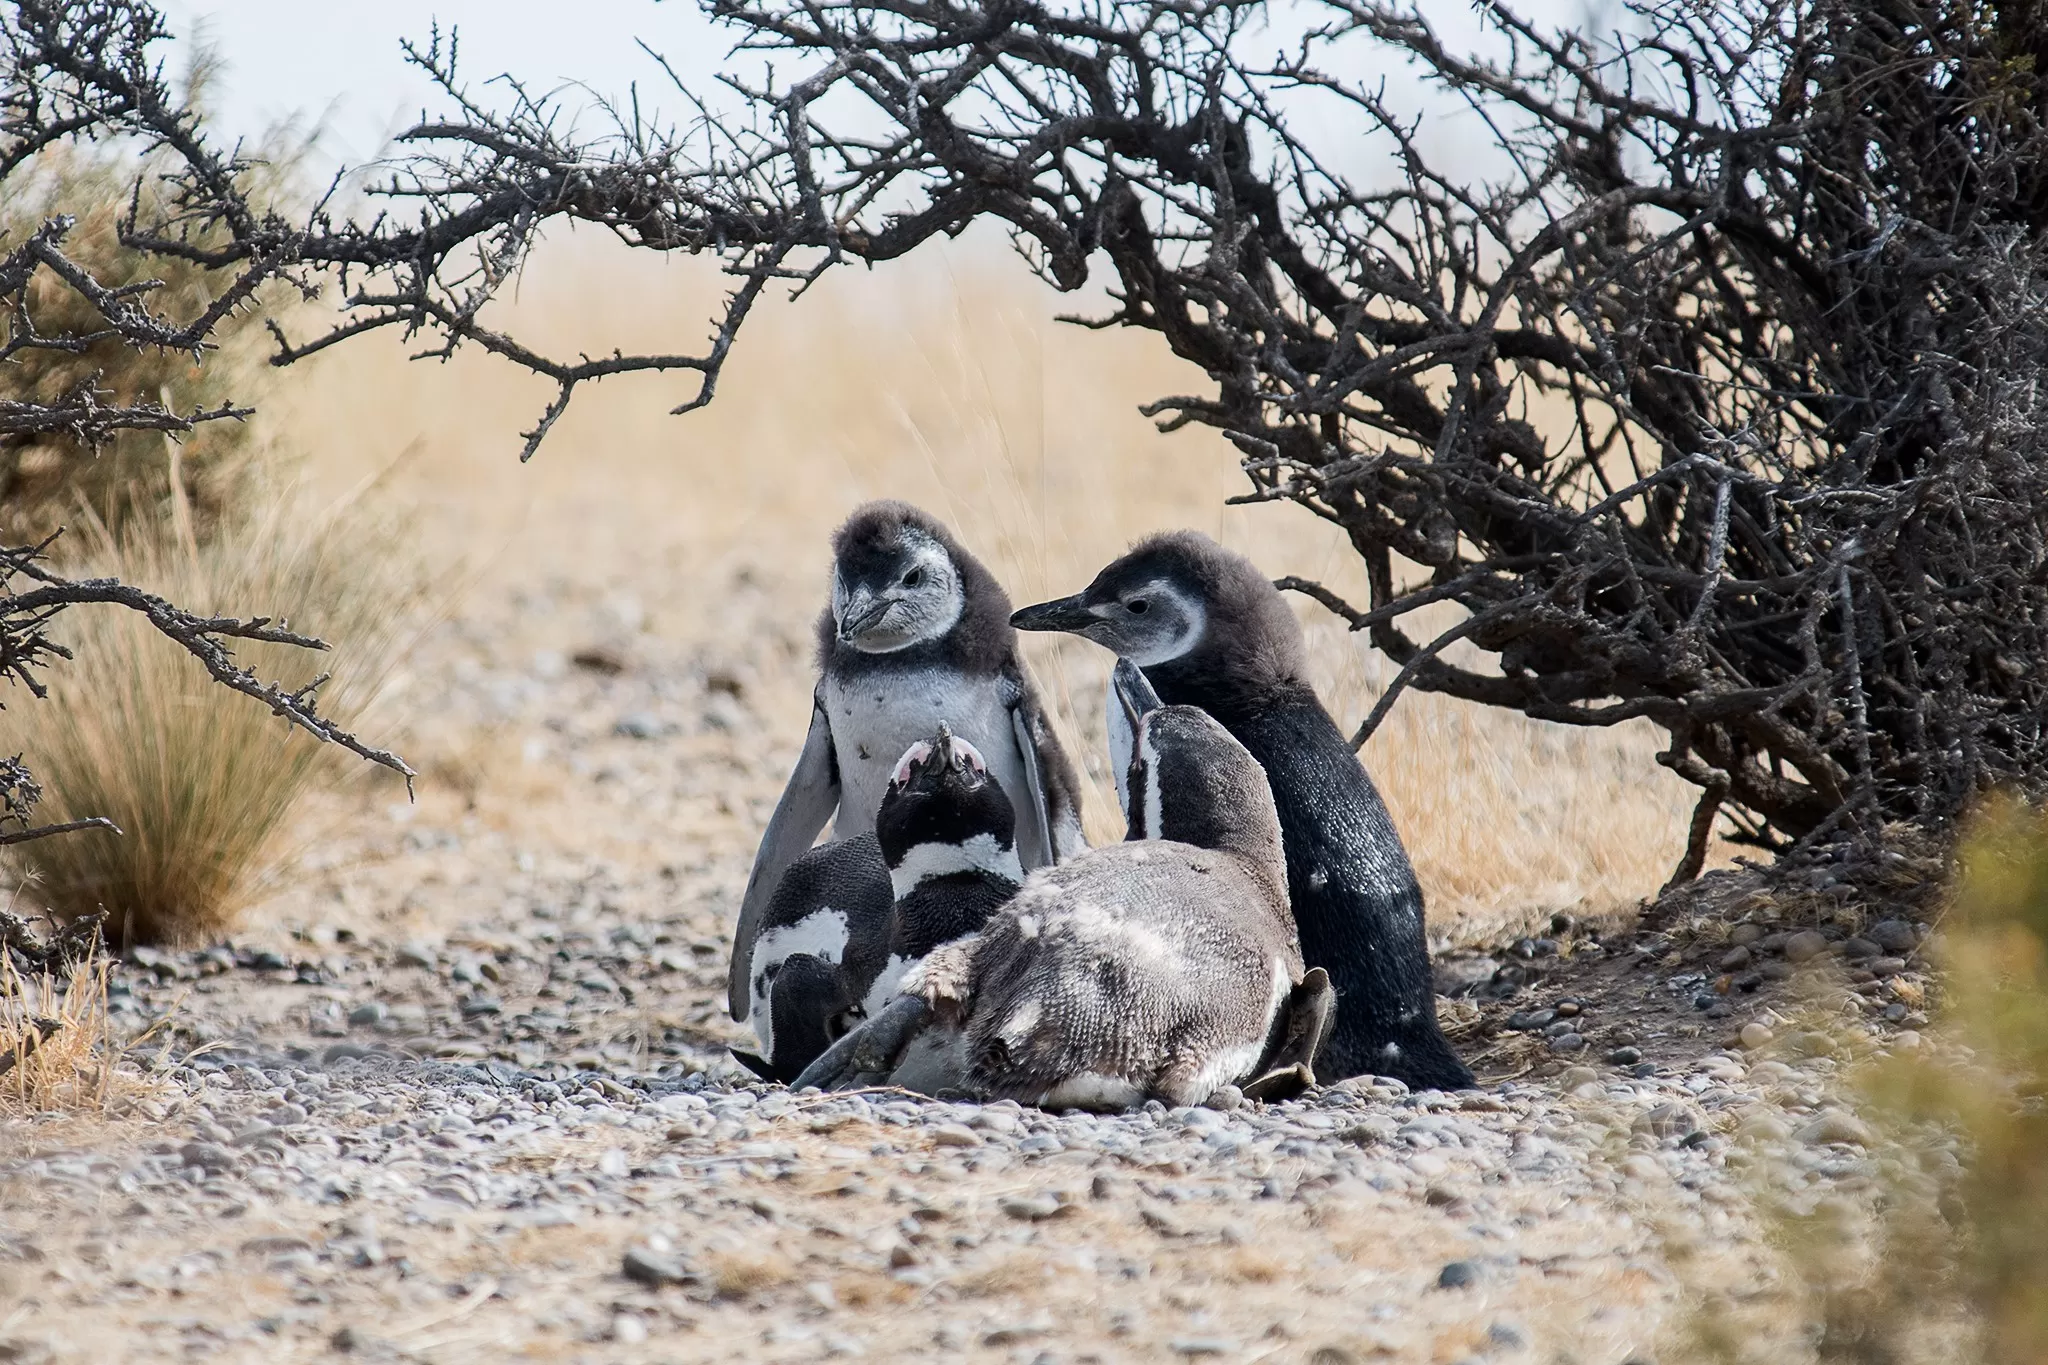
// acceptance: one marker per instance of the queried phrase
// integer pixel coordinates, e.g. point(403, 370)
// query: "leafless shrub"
point(68, 308)
point(1715, 406)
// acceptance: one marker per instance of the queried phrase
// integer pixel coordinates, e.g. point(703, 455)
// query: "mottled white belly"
point(875, 720)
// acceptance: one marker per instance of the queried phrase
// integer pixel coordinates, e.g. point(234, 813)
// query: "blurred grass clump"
point(1940, 1255)
point(201, 780)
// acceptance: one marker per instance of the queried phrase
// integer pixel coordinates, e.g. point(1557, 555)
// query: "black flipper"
point(867, 1055)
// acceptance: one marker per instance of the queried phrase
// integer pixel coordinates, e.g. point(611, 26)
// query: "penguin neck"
point(979, 855)
point(1233, 696)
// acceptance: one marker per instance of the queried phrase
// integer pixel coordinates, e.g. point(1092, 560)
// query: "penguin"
point(1209, 630)
point(823, 939)
point(1165, 967)
point(917, 632)
point(850, 918)
point(947, 831)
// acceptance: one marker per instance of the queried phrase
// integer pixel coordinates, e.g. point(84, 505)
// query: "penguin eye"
point(1137, 606)
point(915, 578)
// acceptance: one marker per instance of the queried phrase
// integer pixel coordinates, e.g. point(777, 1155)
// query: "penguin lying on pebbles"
point(1164, 967)
point(850, 918)
point(1210, 631)
point(918, 632)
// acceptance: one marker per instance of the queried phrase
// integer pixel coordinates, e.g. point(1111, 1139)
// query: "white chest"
point(875, 719)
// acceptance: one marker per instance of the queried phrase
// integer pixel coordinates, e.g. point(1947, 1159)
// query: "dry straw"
point(201, 781)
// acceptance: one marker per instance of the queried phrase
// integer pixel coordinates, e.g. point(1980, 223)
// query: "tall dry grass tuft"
point(1937, 1258)
point(201, 781)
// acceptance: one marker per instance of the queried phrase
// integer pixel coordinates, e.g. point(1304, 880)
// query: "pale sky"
point(339, 64)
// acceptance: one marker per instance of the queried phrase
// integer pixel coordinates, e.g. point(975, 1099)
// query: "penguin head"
point(1181, 603)
point(943, 813)
point(809, 1007)
point(1192, 782)
point(898, 580)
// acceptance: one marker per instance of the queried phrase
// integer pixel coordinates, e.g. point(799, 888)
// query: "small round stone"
point(1755, 1035)
point(1805, 945)
point(1458, 1275)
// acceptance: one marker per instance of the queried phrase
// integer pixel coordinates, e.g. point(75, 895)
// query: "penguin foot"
point(868, 1055)
point(1311, 1011)
point(1276, 1086)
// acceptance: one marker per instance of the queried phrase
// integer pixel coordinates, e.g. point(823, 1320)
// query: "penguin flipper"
point(1024, 732)
point(1306, 1017)
point(867, 1055)
point(808, 800)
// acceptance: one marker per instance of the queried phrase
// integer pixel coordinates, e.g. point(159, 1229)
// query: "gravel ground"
point(460, 1092)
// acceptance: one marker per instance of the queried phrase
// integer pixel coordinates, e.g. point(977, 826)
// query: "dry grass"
point(203, 781)
point(141, 477)
point(56, 1045)
point(943, 380)
point(736, 1272)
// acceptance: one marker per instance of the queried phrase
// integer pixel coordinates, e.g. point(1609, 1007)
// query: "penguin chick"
point(1158, 968)
point(917, 632)
point(1211, 631)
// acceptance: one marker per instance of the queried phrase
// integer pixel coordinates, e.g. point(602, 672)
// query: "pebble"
point(651, 1268)
point(955, 1135)
point(1837, 1125)
point(1742, 935)
point(1568, 1042)
point(1805, 945)
point(1669, 1120)
point(1625, 1056)
point(1032, 1208)
point(1735, 959)
point(1458, 1275)
point(1755, 1035)
point(1894, 936)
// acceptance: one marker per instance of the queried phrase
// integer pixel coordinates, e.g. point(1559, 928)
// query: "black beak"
point(853, 628)
point(1134, 691)
point(1066, 613)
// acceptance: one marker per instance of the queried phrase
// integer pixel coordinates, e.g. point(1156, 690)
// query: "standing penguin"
point(1163, 968)
point(1210, 631)
point(917, 633)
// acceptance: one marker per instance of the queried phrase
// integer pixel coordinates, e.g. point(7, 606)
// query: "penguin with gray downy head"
point(850, 918)
point(1211, 631)
point(917, 632)
point(1162, 968)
